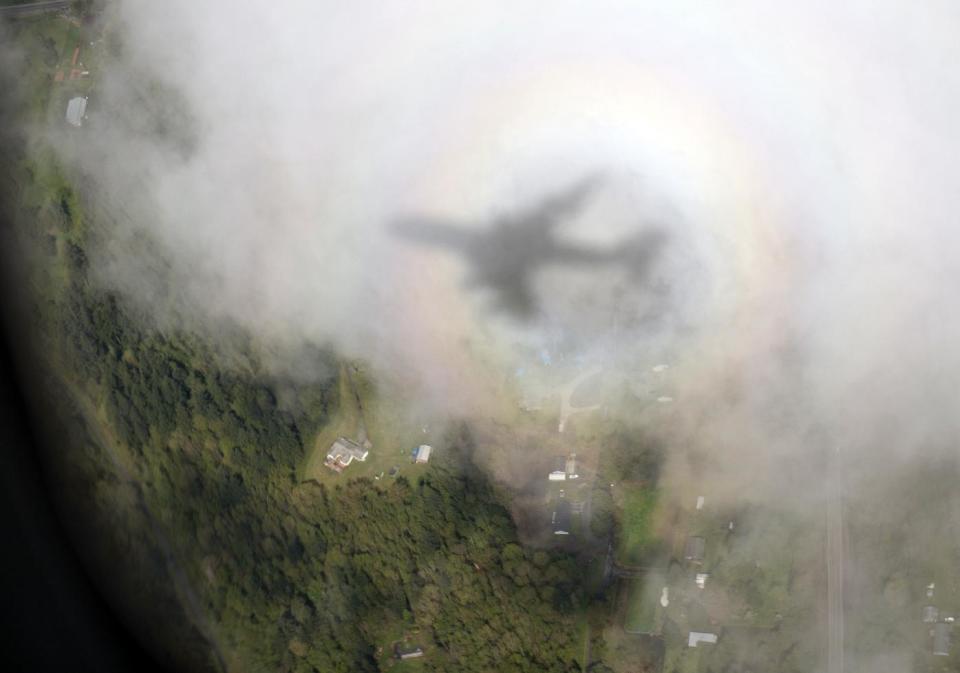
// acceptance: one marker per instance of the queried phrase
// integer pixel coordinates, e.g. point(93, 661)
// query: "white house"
point(75, 110)
point(343, 452)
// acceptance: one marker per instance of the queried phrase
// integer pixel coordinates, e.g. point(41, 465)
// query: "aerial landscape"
point(577, 337)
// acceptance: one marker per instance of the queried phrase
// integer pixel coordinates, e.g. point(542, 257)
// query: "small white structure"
point(409, 653)
point(660, 368)
point(702, 579)
point(700, 502)
point(423, 453)
point(665, 597)
point(557, 475)
point(572, 467)
point(697, 637)
point(75, 110)
point(665, 399)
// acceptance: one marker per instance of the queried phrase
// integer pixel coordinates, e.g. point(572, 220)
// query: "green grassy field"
point(344, 423)
point(637, 507)
point(389, 425)
point(643, 613)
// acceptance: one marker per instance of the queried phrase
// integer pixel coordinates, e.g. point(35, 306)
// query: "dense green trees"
point(292, 577)
point(298, 577)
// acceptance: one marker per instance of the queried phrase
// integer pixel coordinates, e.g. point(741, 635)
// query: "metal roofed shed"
point(408, 651)
point(76, 108)
point(931, 614)
point(423, 453)
point(697, 637)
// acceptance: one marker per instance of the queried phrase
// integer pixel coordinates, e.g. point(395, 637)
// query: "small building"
point(559, 472)
point(941, 639)
point(76, 108)
point(931, 614)
point(405, 652)
point(695, 549)
point(423, 453)
point(561, 518)
point(697, 637)
point(702, 579)
point(571, 467)
point(343, 452)
point(700, 502)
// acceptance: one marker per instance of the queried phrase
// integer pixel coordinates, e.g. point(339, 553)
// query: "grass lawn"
point(637, 507)
point(344, 423)
point(643, 603)
point(391, 428)
point(46, 42)
point(49, 39)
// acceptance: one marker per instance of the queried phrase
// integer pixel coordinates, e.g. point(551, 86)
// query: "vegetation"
point(637, 536)
point(643, 599)
point(204, 473)
point(192, 468)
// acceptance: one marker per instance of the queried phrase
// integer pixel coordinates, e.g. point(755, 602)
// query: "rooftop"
point(75, 110)
point(697, 637)
point(343, 452)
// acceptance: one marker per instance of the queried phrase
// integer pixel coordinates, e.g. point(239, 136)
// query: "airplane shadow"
point(504, 256)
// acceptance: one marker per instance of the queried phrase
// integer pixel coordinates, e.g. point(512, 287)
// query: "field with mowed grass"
point(642, 614)
point(388, 424)
point(637, 540)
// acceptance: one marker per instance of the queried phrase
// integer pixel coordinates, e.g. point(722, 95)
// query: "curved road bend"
point(566, 394)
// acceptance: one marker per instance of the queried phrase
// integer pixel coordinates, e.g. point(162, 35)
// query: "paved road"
point(835, 649)
point(34, 8)
point(566, 393)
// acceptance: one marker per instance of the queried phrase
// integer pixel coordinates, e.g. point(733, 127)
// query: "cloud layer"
point(798, 158)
